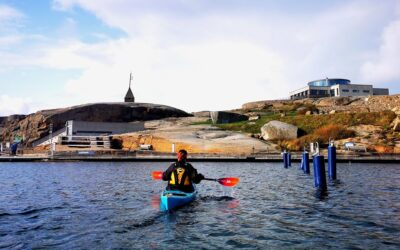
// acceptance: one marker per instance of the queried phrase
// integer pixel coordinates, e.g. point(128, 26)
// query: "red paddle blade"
point(157, 175)
point(228, 182)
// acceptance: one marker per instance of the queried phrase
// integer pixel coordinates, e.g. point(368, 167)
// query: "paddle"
point(157, 175)
point(228, 181)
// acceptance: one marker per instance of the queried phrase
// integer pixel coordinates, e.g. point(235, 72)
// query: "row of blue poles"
point(318, 165)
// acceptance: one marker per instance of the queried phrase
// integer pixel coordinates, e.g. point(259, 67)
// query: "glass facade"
point(328, 82)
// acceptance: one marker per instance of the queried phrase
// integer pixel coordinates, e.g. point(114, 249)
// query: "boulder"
point(219, 117)
point(308, 112)
point(258, 105)
point(201, 114)
point(276, 130)
point(332, 112)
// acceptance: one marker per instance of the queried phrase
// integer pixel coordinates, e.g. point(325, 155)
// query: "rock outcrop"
point(220, 117)
point(202, 114)
point(276, 130)
point(161, 134)
point(35, 126)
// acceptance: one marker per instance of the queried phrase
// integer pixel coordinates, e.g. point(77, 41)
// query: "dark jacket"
point(181, 176)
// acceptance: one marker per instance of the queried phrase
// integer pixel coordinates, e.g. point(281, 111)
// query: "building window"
point(366, 91)
point(345, 90)
point(337, 91)
point(356, 90)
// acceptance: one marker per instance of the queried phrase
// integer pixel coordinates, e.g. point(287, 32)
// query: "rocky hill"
point(328, 104)
point(34, 126)
point(371, 122)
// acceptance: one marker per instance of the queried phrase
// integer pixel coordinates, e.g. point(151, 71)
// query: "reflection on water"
point(116, 205)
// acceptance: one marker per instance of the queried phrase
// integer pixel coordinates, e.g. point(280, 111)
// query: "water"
point(115, 205)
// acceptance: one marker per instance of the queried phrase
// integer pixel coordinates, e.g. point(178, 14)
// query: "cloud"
point(10, 40)
point(218, 57)
point(9, 13)
point(385, 65)
point(198, 55)
point(10, 19)
point(14, 105)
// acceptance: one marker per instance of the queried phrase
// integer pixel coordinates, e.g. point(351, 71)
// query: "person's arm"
point(166, 176)
point(196, 177)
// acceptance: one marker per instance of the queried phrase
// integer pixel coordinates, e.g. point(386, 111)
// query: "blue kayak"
point(171, 199)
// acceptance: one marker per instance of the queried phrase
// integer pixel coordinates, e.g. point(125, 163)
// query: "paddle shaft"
point(228, 181)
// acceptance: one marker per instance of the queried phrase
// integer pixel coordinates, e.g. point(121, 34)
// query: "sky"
point(190, 54)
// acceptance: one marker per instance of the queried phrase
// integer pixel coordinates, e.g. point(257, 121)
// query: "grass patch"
point(208, 122)
point(249, 126)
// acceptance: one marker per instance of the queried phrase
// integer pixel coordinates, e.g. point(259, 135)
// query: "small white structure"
point(146, 147)
point(83, 128)
point(351, 146)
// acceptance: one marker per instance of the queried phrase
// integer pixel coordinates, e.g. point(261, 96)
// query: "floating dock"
point(168, 157)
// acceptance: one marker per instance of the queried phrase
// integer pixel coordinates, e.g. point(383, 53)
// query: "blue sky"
point(193, 55)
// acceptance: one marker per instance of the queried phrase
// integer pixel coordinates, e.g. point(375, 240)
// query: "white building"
point(335, 87)
point(89, 129)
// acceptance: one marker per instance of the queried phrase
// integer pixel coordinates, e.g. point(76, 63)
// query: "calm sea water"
point(115, 205)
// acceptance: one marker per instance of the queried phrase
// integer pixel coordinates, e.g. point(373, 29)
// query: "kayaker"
point(181, 175)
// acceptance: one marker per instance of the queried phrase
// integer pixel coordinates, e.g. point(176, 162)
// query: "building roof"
point(129, 96)
point(329, 82)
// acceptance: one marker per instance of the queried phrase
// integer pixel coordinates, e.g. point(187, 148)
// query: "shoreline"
point(160, 157)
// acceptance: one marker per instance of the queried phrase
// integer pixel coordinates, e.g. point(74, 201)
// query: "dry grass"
point(332, 131)
point(382, 149)
point(321, 135)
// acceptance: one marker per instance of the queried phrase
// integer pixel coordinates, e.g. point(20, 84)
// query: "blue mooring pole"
point(315, 171)
point(332, 162)
point(289, 159)
point(306, 163)
point(285, 159)
point(14, 148)
point(319, 172)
